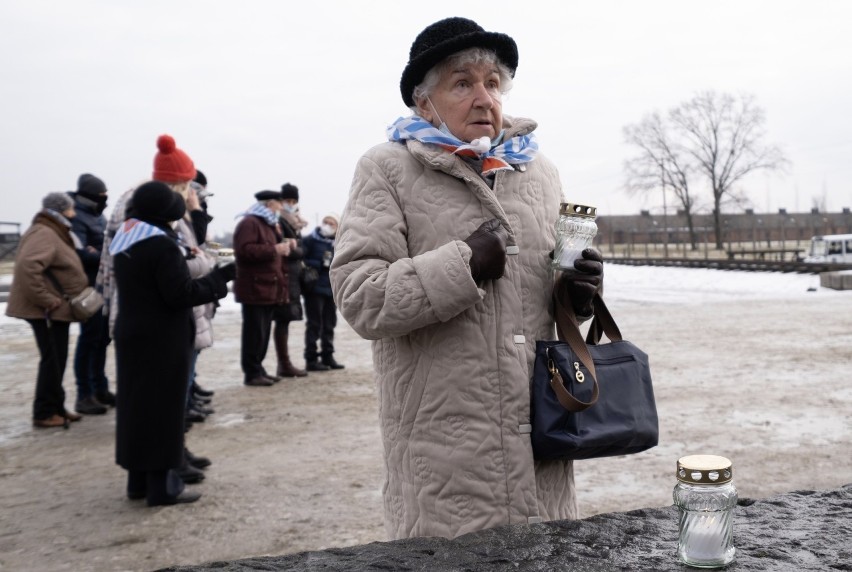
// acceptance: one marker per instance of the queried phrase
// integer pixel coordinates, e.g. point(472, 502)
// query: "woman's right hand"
point(55, 305)
point(283, 248)
point(488, 244)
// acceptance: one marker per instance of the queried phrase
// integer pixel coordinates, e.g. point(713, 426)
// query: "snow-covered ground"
point(653, 284)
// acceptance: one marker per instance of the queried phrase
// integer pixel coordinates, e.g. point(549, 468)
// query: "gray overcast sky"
point(263, 92)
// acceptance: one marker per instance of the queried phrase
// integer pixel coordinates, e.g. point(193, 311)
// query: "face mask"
point(481, 145)
point(290, 208)
point(173, 224)
point(327, 230)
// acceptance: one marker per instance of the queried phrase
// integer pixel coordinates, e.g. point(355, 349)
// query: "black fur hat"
point(443, 39)
point(289, 191)
point(156, 202)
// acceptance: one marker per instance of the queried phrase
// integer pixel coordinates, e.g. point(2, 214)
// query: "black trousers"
point(159, 487)
point(52, 340)
point(321, 315)
point(257, 325)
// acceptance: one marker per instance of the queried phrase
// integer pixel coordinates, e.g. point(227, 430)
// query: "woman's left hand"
point(581, 286)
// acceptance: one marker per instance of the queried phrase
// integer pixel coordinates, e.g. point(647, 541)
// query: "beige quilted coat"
point(453, 359)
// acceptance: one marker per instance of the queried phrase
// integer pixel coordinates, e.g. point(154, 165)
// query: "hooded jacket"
point(453, 359)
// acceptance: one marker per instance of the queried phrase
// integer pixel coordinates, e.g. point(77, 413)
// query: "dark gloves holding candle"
point(581, 285)
point(488, 244)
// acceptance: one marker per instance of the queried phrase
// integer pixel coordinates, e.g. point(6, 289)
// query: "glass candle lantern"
point(575, 231)
point(705, 496)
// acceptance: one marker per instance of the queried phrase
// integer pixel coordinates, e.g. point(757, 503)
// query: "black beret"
point(268, 196)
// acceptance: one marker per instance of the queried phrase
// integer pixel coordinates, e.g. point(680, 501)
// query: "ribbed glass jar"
point(575, 231)
point(705, 496)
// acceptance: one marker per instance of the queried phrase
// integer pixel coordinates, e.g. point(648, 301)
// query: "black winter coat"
point(292, 311)
point(88, 226)
point(154, 334)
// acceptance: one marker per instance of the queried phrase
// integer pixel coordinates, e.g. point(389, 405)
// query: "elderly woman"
point(154, 333)
point(442, 260)
point(47, 270)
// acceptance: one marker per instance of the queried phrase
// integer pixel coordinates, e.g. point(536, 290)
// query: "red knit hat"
point(171, 165)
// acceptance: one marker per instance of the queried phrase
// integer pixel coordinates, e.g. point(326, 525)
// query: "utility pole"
point(665, 214)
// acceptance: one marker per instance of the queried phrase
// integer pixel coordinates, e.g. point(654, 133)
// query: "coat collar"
point(456, 167)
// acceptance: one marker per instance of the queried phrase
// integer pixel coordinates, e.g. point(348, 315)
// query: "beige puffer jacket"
point(453, 360)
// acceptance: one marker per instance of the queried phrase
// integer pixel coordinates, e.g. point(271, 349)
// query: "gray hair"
point(57, 202)
point(464, 57)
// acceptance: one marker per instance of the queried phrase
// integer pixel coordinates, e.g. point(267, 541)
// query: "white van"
point(830, 248)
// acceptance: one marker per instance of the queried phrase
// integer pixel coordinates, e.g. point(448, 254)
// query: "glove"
point(581, 286)
point(488, 244)
point(227, 271)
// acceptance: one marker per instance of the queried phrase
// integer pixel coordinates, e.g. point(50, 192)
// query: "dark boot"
point(285, 366)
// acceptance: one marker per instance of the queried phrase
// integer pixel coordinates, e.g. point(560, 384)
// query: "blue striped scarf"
point(130, 232)
point(261, 211)
point(519, 149)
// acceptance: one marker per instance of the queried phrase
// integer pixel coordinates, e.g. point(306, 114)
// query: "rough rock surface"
point(801, 530)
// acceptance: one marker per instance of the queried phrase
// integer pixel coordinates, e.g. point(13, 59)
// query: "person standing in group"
point(154, 338)
point(93, 394)
point(443, 261)
point(261, 283)
point(319, 302)
point(47, 270)
point(291, 226)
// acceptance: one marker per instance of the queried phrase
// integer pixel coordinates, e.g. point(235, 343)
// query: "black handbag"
point(590, 399)
point(308, 278)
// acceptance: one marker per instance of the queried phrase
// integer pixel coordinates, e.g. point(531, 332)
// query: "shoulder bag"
point(85, 304)
point(590, 399)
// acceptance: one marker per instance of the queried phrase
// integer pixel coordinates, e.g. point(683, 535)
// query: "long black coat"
point(154, 334)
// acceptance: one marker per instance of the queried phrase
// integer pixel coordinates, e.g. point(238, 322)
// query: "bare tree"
point(724, 137)
point(660, 164)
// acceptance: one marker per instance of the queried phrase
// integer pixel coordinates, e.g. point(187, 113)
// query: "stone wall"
point(799, 531)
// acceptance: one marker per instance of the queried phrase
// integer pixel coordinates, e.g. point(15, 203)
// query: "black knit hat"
point(443, 39)
point(289, 191)
point(90, 186)
point(156, 202)
point(200, 178)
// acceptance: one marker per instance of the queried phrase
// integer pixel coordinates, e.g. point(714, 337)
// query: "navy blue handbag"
point(590, 399)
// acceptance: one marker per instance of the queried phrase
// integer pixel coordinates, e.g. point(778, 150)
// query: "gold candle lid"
point(577, 210)
point(704, 470)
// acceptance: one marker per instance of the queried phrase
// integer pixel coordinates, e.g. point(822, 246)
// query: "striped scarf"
point(131, 232)
point(519, 149)
point(261, 211)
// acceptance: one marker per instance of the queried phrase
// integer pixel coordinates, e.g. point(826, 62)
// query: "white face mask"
point(327, 230)
point(291, 208)
point(173, 224)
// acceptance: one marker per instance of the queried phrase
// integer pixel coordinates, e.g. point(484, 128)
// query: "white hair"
point(464, 57)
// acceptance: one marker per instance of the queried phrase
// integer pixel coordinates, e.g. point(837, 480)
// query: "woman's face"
point(274, 205)
point(468, 99)
point(330, 222)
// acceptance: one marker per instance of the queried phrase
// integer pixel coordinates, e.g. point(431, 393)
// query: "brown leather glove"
point(488, 244)
point(581, 285)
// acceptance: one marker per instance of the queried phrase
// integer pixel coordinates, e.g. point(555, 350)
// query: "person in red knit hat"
point(171, 165)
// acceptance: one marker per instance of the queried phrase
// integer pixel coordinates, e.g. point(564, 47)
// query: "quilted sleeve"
point(380, 288)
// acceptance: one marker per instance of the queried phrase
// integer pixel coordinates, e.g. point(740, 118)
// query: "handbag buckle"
point(578, 375)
